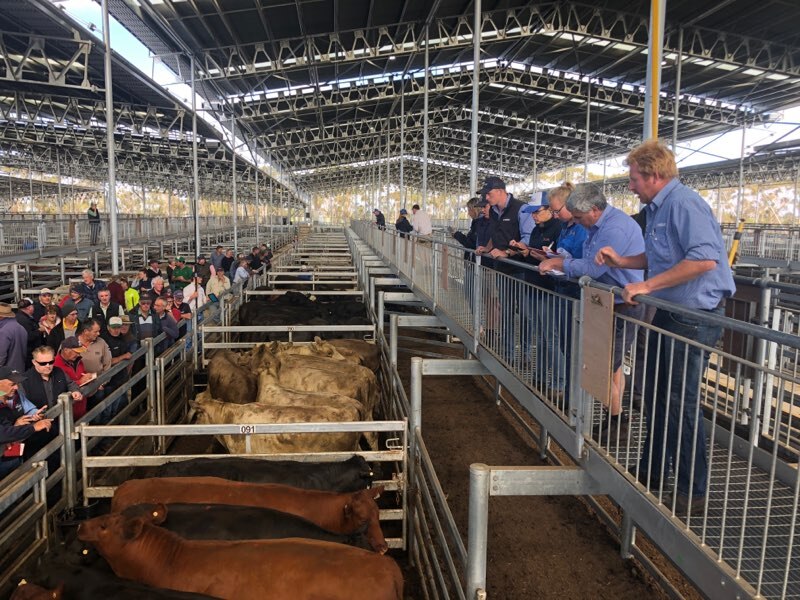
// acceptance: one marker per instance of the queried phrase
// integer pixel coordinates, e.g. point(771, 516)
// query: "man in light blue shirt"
point(605, 226)
point(687, 265)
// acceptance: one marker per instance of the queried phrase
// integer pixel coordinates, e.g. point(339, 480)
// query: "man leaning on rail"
point(606, 226)
point(687, 265)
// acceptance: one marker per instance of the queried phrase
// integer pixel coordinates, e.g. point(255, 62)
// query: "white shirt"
point(195, 303)
point(422, 223)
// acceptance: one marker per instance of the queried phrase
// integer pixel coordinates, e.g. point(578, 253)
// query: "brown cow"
point(293, 568)
point(31, 591)
point(213, 412)
point(229, 380)
point(370, 354)
point(339, 513)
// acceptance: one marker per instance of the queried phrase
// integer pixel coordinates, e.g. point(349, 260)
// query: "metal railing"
point(739, 538)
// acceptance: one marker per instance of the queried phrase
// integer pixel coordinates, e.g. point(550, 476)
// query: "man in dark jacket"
point(403, 225)
point(13, 340)
point(380, 220)
point(104, 309)
point(32, 327)
point(17, 422)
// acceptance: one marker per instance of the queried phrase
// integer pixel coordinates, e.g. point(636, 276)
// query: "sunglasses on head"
point(44, 363)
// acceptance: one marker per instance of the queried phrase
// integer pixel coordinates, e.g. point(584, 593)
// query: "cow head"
point(361, 511)
point(196, 412)
point(154, 513)
point(109, 532)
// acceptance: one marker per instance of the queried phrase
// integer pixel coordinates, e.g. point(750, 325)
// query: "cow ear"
point(132, 528)
point(348, 510)
point(376, 492)
point(58, 593)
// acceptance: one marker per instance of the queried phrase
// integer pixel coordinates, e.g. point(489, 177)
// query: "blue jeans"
point(675, 405)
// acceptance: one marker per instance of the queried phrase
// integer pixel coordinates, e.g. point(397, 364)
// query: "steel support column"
point(196, 186)
point(654, 56)
point(111, 195)
point(476, 70)
point(678, 69)
point(425, 124)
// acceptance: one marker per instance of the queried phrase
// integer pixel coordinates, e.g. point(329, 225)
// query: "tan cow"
point(214, 412)
point(315, 374)
point(368, 353)
point(229, 380)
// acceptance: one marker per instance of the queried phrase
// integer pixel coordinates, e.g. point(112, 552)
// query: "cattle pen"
point(414, 295)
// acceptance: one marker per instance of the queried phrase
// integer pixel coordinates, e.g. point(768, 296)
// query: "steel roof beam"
point(604, 26)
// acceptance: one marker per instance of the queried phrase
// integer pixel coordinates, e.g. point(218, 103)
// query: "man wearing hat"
point(402, 224)
point(422, 221)
point(202, 268)
point(69, 361)
point(120, 350)
point(82, 304)
point(505, 214)
point(153, 270)
point(380, 220)
point(181, 275)
point(67, 327)
point(40, 307)
point(33, 329)
point(144, 323)
point(13, 340)
point(19, 419)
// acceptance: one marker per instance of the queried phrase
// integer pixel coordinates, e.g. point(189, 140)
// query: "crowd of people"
point(49, 347)
point(672, 249)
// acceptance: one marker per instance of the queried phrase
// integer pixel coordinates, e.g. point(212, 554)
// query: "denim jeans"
point(675, 405)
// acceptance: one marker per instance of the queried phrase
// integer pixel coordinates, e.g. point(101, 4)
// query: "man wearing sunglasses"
point(45, 382)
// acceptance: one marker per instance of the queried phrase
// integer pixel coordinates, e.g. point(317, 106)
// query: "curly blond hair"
point(653, 158)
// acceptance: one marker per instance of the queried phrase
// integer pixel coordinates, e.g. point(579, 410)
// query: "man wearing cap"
point(181, 275)
point(144, 323)
point(89, 287)
point(380, 220)
point(505, 214)
point(202, 268)
point(69, 361)
point(120, 350)
point(66, 328)
point(40, 307)
point(153, 270)
point(126, 334)
point(402, 224)
point(18, 419)
point(131, 295)
point(422, 221)
point(105, 309)
point(13, 340)
point(82, 304)
point(184, 310)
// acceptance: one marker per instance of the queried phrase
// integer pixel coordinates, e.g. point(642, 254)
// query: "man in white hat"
point(40, 307)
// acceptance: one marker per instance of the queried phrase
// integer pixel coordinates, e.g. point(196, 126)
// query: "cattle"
point(228, 380)
point(368, 353)
point(213, 412)
point(83, 583)
point(316, 374)
point(339, 513)
point(350, 475)
point(223, 522)
point(31, 591)
point(292, 568)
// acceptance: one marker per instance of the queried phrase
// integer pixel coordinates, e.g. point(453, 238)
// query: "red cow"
point(253, 569)
point(344, 513)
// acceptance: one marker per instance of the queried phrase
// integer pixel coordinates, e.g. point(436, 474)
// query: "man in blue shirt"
point(687, 265)
point(605, 226)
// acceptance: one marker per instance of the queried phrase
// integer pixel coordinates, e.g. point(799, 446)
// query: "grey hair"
point(87, 272)
point(585, 196)
point(157, 279)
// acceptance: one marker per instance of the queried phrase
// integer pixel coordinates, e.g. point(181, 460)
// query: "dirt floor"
point(539, 547)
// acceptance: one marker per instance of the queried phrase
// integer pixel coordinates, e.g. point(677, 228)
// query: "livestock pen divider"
point(396, 453)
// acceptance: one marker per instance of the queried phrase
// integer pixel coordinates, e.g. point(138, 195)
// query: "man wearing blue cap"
point(380, 220)
point(403, 225)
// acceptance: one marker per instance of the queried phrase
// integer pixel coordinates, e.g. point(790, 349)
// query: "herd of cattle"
point(239, 527)
point(268, 529)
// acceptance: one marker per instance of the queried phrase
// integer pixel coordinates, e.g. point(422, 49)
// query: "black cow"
point(84, 583)
point(351, 475)
point(224, 522)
